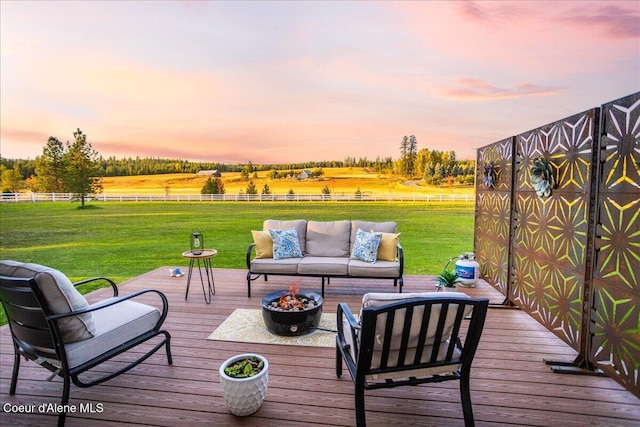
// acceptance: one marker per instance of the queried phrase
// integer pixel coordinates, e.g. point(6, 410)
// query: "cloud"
point(479, 90)
point(472, 11)
point(614, 21)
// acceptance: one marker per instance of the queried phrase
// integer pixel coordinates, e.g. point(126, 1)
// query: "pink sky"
point(278, 82)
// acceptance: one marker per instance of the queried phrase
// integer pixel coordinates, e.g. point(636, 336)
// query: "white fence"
point(65, 197)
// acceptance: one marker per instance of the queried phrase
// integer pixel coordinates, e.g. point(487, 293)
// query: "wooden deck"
point(510, 384)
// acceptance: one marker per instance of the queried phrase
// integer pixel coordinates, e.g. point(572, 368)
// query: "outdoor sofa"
point(326, 249)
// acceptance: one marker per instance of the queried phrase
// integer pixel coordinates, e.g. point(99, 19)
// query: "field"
point(338, 180)
point(123, 240)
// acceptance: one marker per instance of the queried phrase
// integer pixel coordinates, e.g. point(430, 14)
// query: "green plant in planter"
point(448, 279)
point(244, 368)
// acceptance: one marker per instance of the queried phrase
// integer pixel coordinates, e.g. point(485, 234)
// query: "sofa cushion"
point(379, 269)
point(299, 224)
point(323, 266)
point(264, 244)
point(365, 247)
point(328, 238)
point(115, 325)
point(61, 296)
point(388, 249)
point(381, 227)
point(285, 244)
point(271, 266)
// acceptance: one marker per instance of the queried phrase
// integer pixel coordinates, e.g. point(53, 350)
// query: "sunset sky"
point(278, 82)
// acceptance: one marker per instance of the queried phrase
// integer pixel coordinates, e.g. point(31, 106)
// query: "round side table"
point(204, 256)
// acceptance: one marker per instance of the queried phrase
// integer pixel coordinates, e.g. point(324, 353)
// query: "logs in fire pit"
point(292, 312)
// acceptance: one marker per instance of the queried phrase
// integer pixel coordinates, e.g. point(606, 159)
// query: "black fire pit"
point(291, 322)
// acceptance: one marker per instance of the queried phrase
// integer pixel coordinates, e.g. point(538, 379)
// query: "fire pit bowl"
point(291, 322)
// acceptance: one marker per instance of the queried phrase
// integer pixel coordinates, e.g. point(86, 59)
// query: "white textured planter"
point(244, 396)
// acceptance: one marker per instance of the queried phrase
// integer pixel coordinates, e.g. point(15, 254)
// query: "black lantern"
point(197, 243)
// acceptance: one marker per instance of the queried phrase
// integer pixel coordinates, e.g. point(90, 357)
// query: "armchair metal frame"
point(37, 337)
point(461, 347)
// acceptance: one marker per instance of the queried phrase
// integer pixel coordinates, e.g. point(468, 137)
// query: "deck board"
point(510, 384)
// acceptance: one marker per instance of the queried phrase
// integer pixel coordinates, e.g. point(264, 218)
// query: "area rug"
point(246, 325)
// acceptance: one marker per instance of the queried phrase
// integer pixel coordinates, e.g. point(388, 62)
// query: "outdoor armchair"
point(410, 339)
point(53, 325)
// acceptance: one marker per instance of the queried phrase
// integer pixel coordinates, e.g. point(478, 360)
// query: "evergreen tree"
point(404, 151)
point(210, 186)
point(326, 190)
point(411, 155)
point(266, 189)
point(50, 167)
point(290, 194)
point(251, 188)
point(408, 155)
point(82, 168)
point(213, 185)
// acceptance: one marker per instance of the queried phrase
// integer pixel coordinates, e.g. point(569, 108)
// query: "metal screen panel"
point(550, 234)
point(615, 316)
point(493, 214)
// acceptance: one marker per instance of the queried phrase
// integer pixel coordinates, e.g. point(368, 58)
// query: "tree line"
point(77, 168)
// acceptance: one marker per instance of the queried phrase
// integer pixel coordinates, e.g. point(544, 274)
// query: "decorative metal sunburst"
point(490, 176)
point(543, 176)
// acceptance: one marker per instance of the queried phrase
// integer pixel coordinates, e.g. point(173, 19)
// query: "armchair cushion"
point(115, 325)
point(61, 296)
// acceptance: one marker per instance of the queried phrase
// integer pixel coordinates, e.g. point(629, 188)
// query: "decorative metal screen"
point(572, 258)
point(493, 212)
point(550, 233)
point(615, 319)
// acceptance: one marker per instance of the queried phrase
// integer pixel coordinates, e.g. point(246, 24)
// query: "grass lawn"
point(124, 240)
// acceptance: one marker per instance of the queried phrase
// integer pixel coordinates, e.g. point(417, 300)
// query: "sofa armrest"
point(249, 250)
point(401, 259)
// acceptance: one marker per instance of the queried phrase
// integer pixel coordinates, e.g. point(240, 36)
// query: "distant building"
point(215, 173)
point(305, 174)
